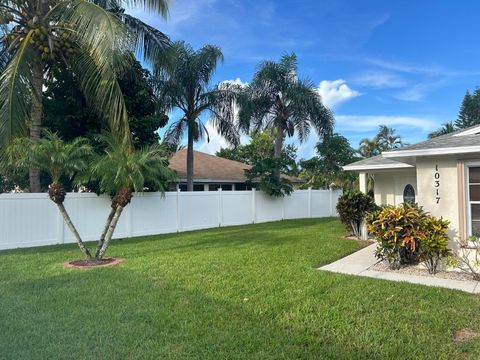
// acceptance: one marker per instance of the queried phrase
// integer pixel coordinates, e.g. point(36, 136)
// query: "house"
point(212, 172)
point(442, 175)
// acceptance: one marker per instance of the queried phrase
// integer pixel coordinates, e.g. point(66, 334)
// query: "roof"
point(376, 163)
point(459, 142)
point(210, 168)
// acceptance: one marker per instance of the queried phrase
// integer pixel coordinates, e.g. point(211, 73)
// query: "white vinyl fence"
point(33, 220)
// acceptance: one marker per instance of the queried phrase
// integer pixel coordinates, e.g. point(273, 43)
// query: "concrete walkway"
point(360, 263)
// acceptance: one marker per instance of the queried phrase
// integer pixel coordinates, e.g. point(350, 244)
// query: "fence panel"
point(32, 219)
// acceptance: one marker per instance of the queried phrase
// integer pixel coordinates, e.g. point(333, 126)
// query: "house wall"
point(389, 186)
point(437, 181)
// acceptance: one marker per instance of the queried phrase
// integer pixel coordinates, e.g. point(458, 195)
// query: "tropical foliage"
point(185, 86)
point(120, 171)
point(326, 169)
point(406, 234)
point(262, 147)
point(353, 207)
point(56, 158)
point(446, 128)
point(278, 99)
point(85, 38)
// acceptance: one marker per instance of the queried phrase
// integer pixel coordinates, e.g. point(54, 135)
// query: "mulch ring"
point(89, 263)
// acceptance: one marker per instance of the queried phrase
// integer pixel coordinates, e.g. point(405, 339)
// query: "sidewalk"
point(360, 262)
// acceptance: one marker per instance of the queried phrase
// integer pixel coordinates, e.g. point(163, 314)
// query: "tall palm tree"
point(388, 139)
point(186, 87)
point(277, 99)
point(120, 171)
point(87, 39)
point(446, 128)
point(369, 148)
point(56, 158)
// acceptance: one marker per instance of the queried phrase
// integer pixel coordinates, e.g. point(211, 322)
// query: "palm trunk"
point(74, 231)
point(104, 233)
point(278, 146)
point(190, 161)
point(36, 118)
point(109, 234)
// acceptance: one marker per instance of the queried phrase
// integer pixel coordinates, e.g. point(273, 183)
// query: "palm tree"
point(87, 39)
point(446, 128)
point(57, 158)
point(119, 171)
point(277, 99)
point(369, 148)
point(388, 139)
point(186, 86)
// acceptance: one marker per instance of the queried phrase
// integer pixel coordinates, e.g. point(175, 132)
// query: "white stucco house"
point(442, 175)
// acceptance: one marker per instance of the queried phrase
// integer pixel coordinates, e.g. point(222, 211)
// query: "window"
point(409, 194)
point(474, 200)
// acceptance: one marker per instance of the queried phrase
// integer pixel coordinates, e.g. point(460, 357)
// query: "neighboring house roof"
point(459, 142)
point(210, 168)
point(376, 163)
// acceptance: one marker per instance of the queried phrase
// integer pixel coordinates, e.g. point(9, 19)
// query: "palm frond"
point(102, 92)
point(160, 7)
point(175, 132)
point(16, 92)
point(149, 42)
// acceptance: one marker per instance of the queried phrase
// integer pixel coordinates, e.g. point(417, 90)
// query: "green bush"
point(353, 207)
point(406, 234)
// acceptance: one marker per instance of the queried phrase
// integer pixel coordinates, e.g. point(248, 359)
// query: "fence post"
point(220, 207)
point(178, 210)
point(283, 207)
point(130, 219)
point(254, 215)
point(331, 202)
point(309, 201)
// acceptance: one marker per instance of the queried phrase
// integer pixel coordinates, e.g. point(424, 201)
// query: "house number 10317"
point(436, 176)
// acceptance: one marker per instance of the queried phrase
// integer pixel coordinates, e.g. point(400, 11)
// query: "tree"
point(56, 158)
point(469, 114)
point(277, 98)
point(446, 128)
point(186, 86)
point(120, 171)
point(326, 169)
point(66, 113)
point(369, 147)
point(80, 35)
point(388, 139)
point(261, 147)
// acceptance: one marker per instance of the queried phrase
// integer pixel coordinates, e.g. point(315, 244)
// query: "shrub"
point(406, 234)
point(434, 242)
point(353, 207)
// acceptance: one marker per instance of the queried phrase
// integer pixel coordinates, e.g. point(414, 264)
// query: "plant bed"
point(89, 263)
point(420, 270)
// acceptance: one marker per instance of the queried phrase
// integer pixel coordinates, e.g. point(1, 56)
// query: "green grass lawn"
point(247, 292)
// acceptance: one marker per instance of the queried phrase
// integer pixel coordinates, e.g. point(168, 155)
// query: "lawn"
point(247, 292)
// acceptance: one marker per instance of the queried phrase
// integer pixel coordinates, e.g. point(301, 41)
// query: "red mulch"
point(89, 263)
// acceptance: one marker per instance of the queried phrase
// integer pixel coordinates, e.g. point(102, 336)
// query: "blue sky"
point(406, 64)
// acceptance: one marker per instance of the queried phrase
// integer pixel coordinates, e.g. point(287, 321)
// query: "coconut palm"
point(369, 147)
point(388, 139)
point(186, 87)
point(120, 171)
point(87, 39)
point(446, 128)
point(277, 99)
point(57, 159)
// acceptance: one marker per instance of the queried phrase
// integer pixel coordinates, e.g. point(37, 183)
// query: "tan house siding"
point(389, 186)
point(447, 206)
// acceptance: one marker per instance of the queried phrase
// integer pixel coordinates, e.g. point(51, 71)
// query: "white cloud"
point(364, 123)
point(335, 92)
point(217, 141)
point(237, 81)
point(380, 80)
